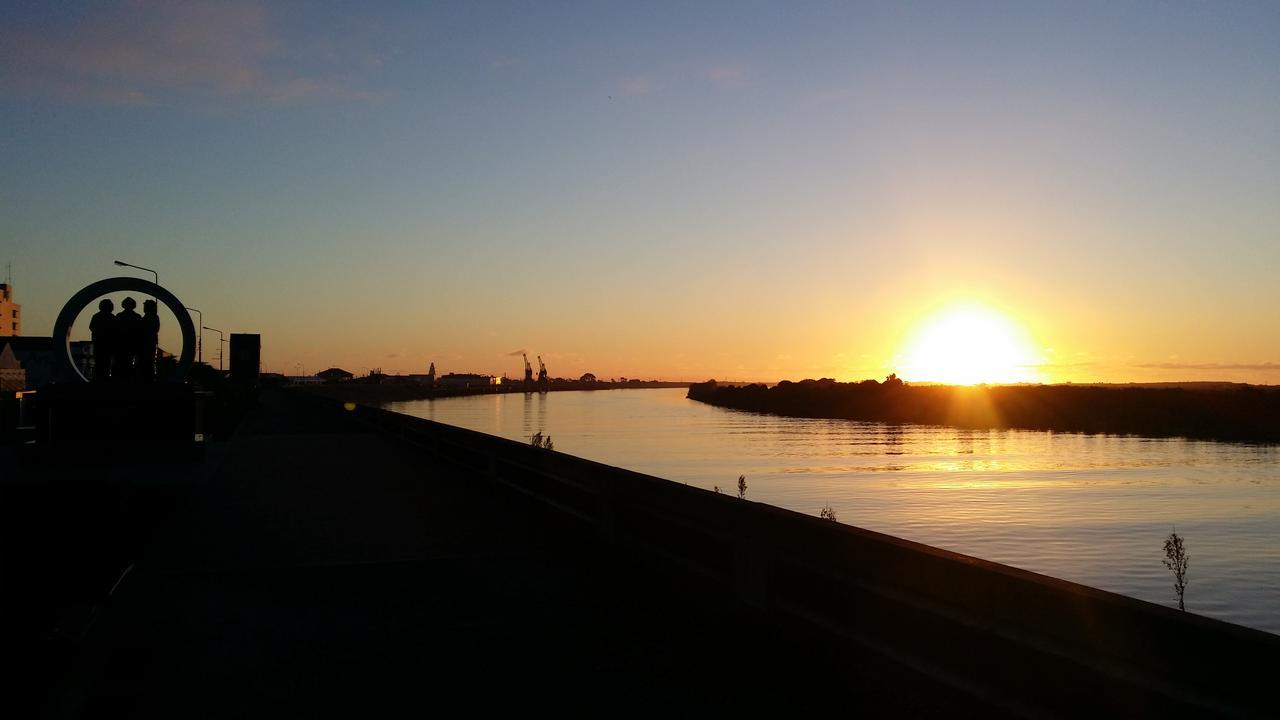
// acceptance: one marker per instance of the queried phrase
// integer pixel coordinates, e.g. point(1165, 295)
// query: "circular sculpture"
point(81, 300)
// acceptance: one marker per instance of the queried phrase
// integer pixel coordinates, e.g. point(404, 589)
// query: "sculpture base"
point(113, 422)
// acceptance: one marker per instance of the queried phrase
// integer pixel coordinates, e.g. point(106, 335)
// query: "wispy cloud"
point(639, 85)
point(516, 353)
point(1265, 366)
point(147, 52)
point(1061, 365)
point(682, 75)
point(731, 75)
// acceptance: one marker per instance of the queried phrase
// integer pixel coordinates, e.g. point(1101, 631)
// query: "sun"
point(968, 344)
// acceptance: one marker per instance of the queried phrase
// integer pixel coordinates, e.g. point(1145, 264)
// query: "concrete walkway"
point(326, 571)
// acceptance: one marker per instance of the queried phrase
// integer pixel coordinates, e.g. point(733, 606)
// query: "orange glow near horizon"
point(969, 344)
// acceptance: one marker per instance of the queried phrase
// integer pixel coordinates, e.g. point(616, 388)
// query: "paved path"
point(325, 571)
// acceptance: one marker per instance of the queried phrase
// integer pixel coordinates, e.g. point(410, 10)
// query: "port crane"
point(542, 373)
point(528, 370)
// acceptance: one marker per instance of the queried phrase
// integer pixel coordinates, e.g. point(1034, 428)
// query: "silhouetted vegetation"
point(742, 487)
point(1175, 558)
point(1218, 412)
point(542, 441)
point(827, 513)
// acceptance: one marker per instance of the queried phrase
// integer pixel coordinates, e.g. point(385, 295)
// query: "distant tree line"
point(1241, 412)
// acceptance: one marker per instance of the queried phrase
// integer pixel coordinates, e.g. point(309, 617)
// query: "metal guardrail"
point(1029, 643)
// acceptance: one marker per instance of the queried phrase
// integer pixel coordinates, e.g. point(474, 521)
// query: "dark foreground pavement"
point(321, 570)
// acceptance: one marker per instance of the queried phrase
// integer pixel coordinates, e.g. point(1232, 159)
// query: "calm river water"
point(1093, 509)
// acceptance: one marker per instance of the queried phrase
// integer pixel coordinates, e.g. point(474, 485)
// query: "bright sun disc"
point(968, 345)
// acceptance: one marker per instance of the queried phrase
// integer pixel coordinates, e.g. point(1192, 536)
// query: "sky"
point(737, 190)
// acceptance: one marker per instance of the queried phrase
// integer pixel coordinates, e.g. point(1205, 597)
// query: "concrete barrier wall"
point(1027, 642)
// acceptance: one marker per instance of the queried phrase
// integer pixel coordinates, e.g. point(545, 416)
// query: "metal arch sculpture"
point(91, 292)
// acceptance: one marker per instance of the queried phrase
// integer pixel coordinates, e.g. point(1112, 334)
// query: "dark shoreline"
point(371, 393)
point(1238, 413)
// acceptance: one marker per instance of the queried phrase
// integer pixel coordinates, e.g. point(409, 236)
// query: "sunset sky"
point(733, 190)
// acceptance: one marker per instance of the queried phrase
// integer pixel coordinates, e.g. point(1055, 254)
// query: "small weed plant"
point(1175, 558)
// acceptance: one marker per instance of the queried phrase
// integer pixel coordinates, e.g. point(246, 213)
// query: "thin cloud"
point(147, 53)
point(1265, 366)
point(301, 89)
point(639, 85)
point(734, 75)
point(517, 353)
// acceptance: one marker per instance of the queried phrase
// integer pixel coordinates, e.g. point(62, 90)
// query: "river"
point(1088, 508)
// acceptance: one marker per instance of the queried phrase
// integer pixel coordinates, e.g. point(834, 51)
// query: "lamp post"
point(200, 337)
point(220, 342)
point(122, 263)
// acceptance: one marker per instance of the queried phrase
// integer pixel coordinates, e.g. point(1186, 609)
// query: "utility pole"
point(200, 337)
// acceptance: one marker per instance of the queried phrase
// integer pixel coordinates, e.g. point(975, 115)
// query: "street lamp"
point(122, 263)
point(220, 342)
point(200, 337)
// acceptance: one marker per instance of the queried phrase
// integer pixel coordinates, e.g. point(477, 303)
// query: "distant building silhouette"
point(12, 377)
point(40, 357)
point(10, 312)
point(334, 375)
point(468, 380)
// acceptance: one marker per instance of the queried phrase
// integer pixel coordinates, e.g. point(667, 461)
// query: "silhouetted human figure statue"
point(148, 340)
point(102, 328)
point(128, 338)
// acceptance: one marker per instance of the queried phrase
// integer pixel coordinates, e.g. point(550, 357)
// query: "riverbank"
point(1093, 509)
point(1016, 641)
point(1247, 413)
